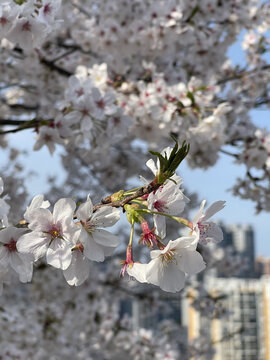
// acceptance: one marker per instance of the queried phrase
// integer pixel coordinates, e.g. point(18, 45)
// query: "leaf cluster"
point(169, 164)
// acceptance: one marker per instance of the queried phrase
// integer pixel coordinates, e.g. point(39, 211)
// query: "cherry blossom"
point(97, 243)
point(51, 234)
point(168, 267)
point(168, 199)
point(205, 230)
point(10, 257)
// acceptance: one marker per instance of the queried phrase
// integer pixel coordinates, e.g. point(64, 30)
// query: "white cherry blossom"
point(97, 243)
point(22, 264)
point(168, 199)
point(51, 234)
point(205, 230)
point(169, 266)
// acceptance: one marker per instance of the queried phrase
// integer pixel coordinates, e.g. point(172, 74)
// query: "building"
point(244, 333)
point(241, 239)
point(262, 266)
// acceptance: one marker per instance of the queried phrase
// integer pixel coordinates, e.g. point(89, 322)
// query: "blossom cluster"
point(71, 235)
point(27, 24)
point(116, 71)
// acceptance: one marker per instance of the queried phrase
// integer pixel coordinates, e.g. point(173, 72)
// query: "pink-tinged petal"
point(105, 216)
point(199, 213)
point(105, 238)
point(59, 254)
point(92, 250)
point(85, 210)
point(191, 262)
point(63, 209)
point(40, 220)
point(35, 243)
point(138, 271)
point(213, 209)
point(78, 270)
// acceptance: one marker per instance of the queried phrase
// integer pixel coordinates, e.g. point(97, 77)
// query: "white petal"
point(138, 271)
point(213, 209)
point(92, 250)
point(41, 220)
point(191, 262)
point(183, 242)
point(59, 254)
point(9, 233)
point(199, 213)
point(34, 243)
point(108, 251)
point(167, 276)
point(105, 238)
point(155, 253)
point(154, 271)
point(152, 166)
point(36, 203)
point(1, 185)
point(78, 270)
point(105, 216)
point(173, 279)
point(23, 266)
point(85, 210)
point(160, 225)
point(4, 255)
point(63, 209)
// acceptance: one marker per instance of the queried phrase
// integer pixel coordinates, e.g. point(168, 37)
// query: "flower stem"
point(131, 234)
point(178, 219)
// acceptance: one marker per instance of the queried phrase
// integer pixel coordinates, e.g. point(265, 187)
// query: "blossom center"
point(26, 26)
point(100, 104)
point(169, 257)
point(203, 229)
point(55, 232)
point(47, 9)
point(3, 20)
point(159, 205)
point(11, 246)
point(88, 226)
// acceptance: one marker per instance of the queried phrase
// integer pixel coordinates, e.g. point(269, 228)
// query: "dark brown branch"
point(23, 125)
point(147, 189)
point(243, 73)
point(12, 122)
point(71, 51)
point(51, 65)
